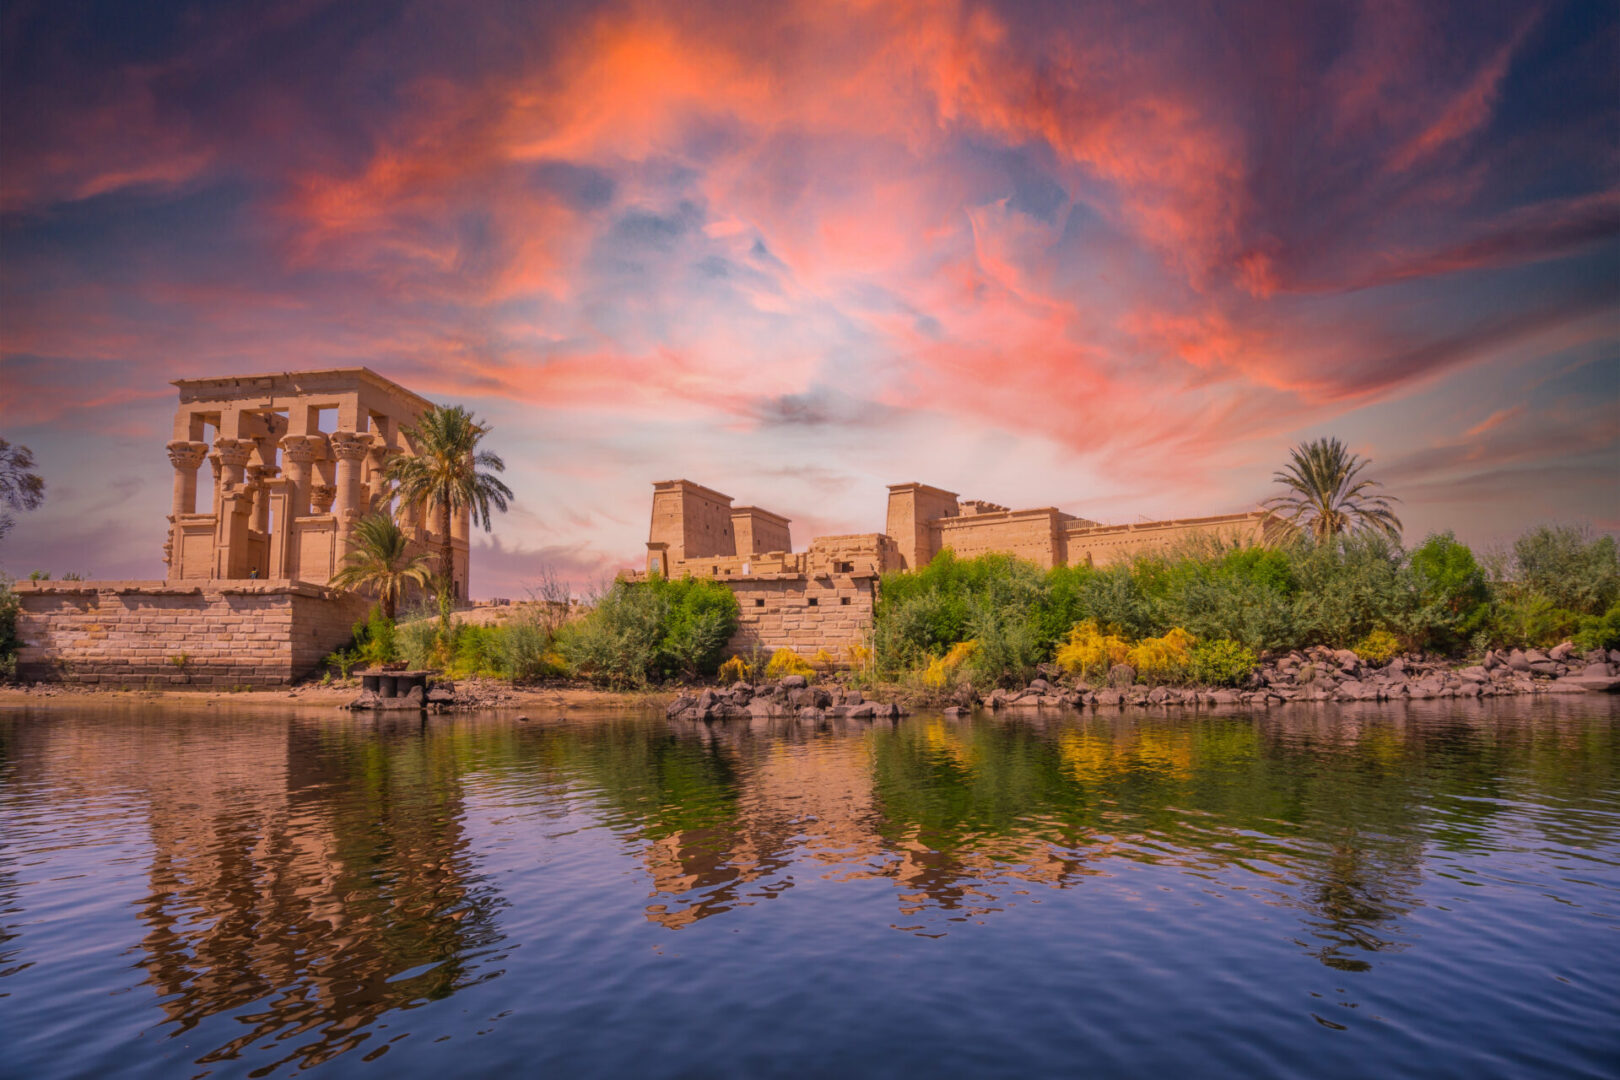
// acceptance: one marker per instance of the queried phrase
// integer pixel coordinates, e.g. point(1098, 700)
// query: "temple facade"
point(823, 599)
point(296, 458)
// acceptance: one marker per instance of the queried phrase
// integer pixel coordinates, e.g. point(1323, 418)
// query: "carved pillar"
point(350, 448)
point(233, 457)
point(257, 477)
point(185, 457)
point(377, 458)
point(322, 495)
point(297, 451)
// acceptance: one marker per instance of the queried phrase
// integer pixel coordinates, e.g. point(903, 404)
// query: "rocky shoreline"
point(1311, 675)
point(1323, 675)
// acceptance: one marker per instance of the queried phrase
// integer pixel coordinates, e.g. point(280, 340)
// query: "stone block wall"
point(803, 612)
point(170, 634)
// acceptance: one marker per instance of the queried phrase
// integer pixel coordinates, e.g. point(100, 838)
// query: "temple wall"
point(803, 613)
point(1029, 534)
point(163, 634)
point(1105, 544)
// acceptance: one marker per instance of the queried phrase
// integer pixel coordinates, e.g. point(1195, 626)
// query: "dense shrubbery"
point(1351, 591)
point(9, 642)
point(641, 632)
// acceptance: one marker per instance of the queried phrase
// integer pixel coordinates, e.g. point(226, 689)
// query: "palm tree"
point(20, 487)
point(380, 561)
point(445, 471)
point(1326, 495)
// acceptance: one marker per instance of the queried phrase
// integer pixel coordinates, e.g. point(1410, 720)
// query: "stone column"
point(379, 456)
point(322, 495)
point(257, 477)
point(185, 457)
point(233, 456)
point(350, 448)
point(298, 451)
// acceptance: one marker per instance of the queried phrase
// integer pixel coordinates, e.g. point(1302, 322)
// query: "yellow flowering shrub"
point(1378, 647)
point(734, 670)
point(785, 662)
point(1091, 650)
point(941, 671)
point(1162, 659)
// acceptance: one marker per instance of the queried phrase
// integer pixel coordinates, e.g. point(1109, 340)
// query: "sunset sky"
point(1115, 257)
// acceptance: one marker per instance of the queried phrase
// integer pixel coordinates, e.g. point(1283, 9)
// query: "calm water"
point(1431, 890)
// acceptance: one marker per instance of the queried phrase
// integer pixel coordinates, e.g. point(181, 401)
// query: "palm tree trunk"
point(388, 605)
point(447, 551)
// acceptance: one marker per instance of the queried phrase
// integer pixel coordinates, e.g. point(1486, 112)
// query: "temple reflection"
point(303, 878)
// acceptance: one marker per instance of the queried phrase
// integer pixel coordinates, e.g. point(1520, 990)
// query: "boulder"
point(1223, 697)
point(1158, 695)
point(1474, 674)
point(1040, 686)
point(1109, 697)
point(1546, 667)
point(1121, 675)
point(866, 710)
point(795, 682)
point(1562, 651)
point(766, 709)
point(810, 712)
point(954, 711)
point(1518, 661)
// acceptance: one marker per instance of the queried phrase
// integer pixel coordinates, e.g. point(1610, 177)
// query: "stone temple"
point(296, 459)
point(822, 599)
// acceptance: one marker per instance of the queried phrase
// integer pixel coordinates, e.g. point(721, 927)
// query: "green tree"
point(1453, 589)
point(381, 562)
point(447, 471)
point(20, 487)
point(1327, 495)
point(1569, 567)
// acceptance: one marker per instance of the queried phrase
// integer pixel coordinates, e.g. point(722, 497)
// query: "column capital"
point(184, 454)
point(234, 452)
point(350, 445)
point(301, 449)
point(323, 496)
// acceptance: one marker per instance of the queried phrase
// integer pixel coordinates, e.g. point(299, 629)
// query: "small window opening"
point(759, 603)
point(813, 601)
point(843, 601)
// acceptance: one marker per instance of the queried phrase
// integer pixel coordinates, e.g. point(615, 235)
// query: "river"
point(1423, 890)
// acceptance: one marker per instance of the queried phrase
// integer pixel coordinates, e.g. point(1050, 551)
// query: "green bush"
point(417, 644)
point(642, 632)
point(375, 640)
point(1532, 620)
point(10, 643)
point(1223, 662)
point(1599, 631)
point(1452, 587)
point(1568, 567)
point(1349, 586)
point(1245, 593)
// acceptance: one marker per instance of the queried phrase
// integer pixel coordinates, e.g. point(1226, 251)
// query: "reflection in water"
point(307, 877)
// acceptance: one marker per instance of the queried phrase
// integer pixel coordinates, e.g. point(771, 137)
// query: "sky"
point(1116, 257)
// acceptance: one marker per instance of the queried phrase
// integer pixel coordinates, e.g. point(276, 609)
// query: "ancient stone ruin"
point(822, 599)
point(296, 459)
